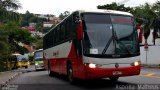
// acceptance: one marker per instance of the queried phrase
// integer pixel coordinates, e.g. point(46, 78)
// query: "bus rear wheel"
point(26, 67)
point(50, 73)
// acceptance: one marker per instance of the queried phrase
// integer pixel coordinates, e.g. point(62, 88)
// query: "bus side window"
point(68, 27)
point(62, 31)
point(50, 40)
point(57, 35)
point(52, 35)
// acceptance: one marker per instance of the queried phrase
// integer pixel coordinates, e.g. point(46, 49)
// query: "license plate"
point(117, 73)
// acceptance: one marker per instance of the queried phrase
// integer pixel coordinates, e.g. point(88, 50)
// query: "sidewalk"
point(7, 76)
point(151, 66)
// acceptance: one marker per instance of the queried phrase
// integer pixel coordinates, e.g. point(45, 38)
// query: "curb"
point(4, 84)
point(151, 66)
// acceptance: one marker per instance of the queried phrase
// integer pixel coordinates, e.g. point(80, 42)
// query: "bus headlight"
point(136, 63)
point(36, 64)
point(91, 65)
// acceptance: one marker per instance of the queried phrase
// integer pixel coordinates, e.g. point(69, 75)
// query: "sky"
point(56, 7)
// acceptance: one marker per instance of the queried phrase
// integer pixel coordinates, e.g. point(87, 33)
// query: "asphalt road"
point(149, 79)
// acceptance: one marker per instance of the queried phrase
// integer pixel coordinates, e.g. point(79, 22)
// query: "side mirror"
point(77, 21)
point(140, 33)
point(79, 30)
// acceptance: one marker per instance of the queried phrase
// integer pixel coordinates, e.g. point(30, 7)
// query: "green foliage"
point(22, 36)
point(16, 34)
point(115, 6)
point(144, 14)
point(25, 18)
point(7, 15)
point(12, 35)
point(39, 26)
point(3, 41)
point(63, 15)
point(4, 48)
point(31, 59)
point(147, 12)
point(39, 44)
point(46, 29)
point(156, 7)
point(7, 8)
point(31, 18)
point(9, 4)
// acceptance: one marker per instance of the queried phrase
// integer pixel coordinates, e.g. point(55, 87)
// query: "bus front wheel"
point(114, 79)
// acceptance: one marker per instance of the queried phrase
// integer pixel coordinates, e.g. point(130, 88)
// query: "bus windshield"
point(19, 57)
point(109, 34)
point(38, 55)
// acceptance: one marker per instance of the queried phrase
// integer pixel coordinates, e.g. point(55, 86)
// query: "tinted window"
point(62, 31)
point(98, 32)
point(98, 18)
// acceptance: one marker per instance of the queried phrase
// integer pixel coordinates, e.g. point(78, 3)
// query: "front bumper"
point(39, 66)
point(93, 73)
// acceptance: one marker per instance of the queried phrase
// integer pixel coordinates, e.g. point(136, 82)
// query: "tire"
point(70, 74)
point(26, 67)
point(50, 73)
point(114, 79)
point(35, 68)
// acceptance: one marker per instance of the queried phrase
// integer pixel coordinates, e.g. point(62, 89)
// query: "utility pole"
point(146, 49)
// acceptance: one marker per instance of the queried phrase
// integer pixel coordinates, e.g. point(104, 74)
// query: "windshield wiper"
point(118, 41)
point(107, 45)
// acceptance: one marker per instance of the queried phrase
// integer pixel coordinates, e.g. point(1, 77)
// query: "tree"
point(9, 40)
point(46, 29)
point(115, 6)
point(39, 26)
point(156, 22)
point(15, 35)
point(156, 7)
point(25, 18)
point(39, 43)
point(147, 12)
point(3, 42)
point(7, 8)
point(31, 18)
point(9, 5)
point(63, 15)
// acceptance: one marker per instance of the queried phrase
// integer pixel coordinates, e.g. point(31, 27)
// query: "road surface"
point(149, 79)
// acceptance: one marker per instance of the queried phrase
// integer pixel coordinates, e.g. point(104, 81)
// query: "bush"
point(4, 64)
point(31, 59)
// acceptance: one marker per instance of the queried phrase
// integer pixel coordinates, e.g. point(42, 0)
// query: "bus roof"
point(16, 54)
point(104, 11)
point(95, 11)
point(38, 50)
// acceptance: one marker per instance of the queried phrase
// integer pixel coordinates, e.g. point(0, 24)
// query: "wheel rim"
point(49, 71)
point(70, 75)
point(114, 78)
